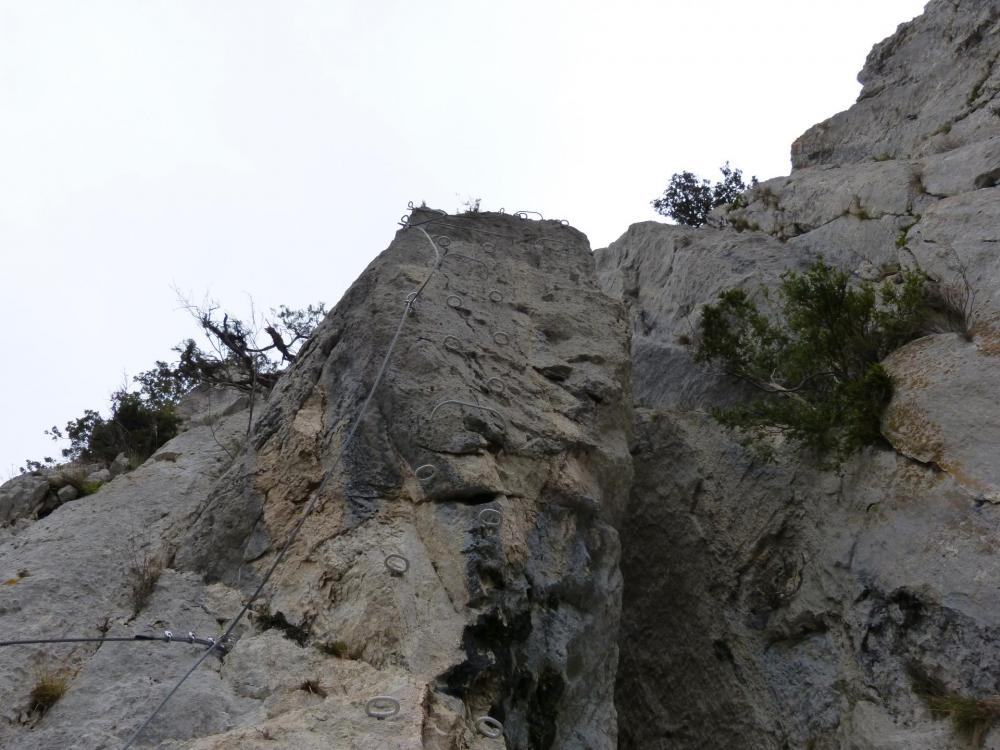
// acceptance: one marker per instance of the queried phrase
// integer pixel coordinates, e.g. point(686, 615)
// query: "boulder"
point(119, 466)
point(67, 493)
point(101, 476)
point(22, 497)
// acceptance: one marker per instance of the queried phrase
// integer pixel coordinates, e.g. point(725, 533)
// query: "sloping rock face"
point(928, 88)
point(462, 557)
point(783, 606)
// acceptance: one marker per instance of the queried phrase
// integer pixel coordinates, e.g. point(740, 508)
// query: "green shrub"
point(813, 356)
point(139, 424)
point(688, 200)
point(143, 418)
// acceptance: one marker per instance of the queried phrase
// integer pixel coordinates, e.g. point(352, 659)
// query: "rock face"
point(782, 606)
point(462, 558)
point(535, 489)
point(928, 88)
point(21, 497)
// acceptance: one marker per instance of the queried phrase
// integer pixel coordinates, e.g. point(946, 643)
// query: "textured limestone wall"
point(783, 606)
point(931, 87)
point(493, 459)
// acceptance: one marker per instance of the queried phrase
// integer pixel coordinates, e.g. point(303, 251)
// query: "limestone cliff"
point(462, 559)
point(541, 404)
point(781, 606)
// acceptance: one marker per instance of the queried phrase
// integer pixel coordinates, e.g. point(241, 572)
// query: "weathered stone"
point(945, 411)
point(101, 476)
point(664, 275)
point(207, 403)
point(119, 466)
point(78, 560)
point(793, 604)
point(516, 396)
point(67, 493)
point(928, 88)
point(514, 392)
point(463, 556)
point(55, 478)
point(22, 497)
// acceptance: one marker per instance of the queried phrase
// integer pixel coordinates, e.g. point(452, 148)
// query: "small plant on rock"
point(314, 687)
point(812, 356)
point(972, 717)
point(143, 574)
point(50, 685)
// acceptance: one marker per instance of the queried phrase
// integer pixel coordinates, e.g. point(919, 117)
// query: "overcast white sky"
point(243, 147)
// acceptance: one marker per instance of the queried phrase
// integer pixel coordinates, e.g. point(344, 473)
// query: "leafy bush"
point(814, 356)
point(142, 420)
point(688, 200)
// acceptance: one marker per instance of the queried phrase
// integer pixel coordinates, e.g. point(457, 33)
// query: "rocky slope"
point(783, 606)
point(492, 466)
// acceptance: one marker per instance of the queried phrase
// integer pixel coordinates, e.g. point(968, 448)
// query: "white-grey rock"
point(793, 606)
point(67, 493)
point(55, 478)
point(77, 561)
point(22, 497)
point(119, 466)
point(518, 620)
point(101, 476)
point(930, 87)
point(206, 403)
point(523, 617)
point(778, 606)
point(945, 412)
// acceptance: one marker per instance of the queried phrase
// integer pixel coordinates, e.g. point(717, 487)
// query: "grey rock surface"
point(67, 493)
point(119, 465)
point(69, 574)
point(536, 519)
point(510, 384)
point(507, 396)
point(944, 412)
point(101, 476)
point(929, 88)
point(783, 605)
point(22, 497)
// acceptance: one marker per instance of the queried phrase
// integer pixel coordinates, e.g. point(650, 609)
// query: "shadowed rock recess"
point(542, 400)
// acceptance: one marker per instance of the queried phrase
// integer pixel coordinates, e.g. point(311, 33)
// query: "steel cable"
point(167, 637)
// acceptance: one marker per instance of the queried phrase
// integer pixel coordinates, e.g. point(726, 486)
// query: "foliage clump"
point(688, 199)
point(140, 421)
point(813, 355)
point(246, 355)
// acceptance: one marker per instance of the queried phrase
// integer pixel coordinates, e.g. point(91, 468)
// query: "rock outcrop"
point(929, 88)
point(462, 558)
point(783, 606)
point(533, 518)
